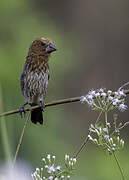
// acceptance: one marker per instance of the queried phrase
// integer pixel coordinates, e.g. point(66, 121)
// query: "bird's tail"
point(37, 116)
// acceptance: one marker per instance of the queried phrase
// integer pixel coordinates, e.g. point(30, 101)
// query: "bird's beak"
point(51, 48)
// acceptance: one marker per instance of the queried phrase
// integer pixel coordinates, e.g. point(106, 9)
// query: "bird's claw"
point(22, 110)
point(42, 105)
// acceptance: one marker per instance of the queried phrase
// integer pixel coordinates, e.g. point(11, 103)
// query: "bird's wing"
point(22, 77)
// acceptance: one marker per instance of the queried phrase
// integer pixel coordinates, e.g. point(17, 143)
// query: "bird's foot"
point(42, 105)
point(22, 109)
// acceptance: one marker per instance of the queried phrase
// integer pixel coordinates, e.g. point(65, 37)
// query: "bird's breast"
point(37, 63)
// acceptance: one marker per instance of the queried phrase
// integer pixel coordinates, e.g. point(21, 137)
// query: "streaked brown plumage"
point(35, 76)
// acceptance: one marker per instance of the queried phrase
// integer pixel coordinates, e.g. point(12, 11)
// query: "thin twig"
point(118, 164)
point(21, 138)
point(126, 84)
point(85, 140)
point(62, 101)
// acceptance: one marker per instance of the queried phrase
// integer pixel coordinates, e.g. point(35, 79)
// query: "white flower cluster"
point(70, 162)
point(52, 171)
point(105, 138)
point(102, 99)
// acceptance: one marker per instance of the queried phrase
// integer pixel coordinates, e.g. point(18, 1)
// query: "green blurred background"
point(92, 38)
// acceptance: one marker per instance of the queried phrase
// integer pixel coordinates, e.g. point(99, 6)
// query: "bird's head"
point(42, 46)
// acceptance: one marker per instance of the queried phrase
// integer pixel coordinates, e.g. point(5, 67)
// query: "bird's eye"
point(43, 44)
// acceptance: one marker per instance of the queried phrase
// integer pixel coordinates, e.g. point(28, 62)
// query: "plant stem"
point(53, 103)
point(21, 138)
point(4, 133)
point(4, 136)
point(62, 101)
point(106, 119)
point(85, 140)
point(118, 164)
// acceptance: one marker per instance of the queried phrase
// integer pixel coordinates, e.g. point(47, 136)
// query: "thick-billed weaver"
point(35, 76)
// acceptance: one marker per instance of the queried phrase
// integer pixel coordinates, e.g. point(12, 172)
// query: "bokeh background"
point(92, 38)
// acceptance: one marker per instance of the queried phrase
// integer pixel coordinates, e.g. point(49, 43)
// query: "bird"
point(35, 75)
